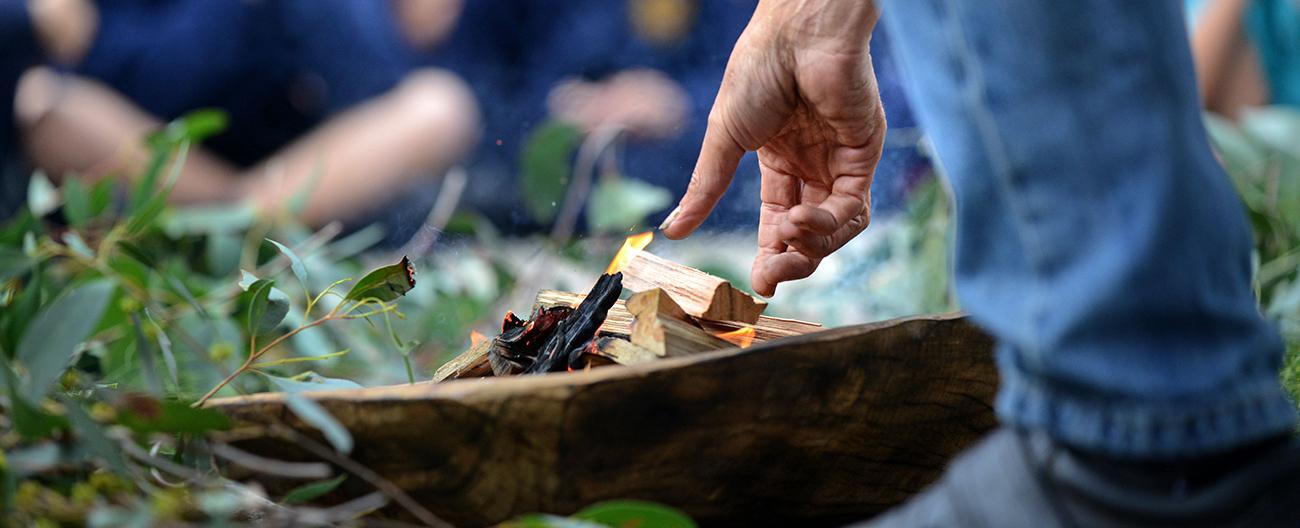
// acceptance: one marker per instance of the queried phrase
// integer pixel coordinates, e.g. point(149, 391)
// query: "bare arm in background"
point(354, 162)
point(1228, 70)
point(800, 89)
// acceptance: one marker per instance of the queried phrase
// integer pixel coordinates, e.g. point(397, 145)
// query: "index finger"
point(719, 156)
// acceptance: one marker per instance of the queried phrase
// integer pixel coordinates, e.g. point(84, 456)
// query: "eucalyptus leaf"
point(77, 244)
point(148, 415)
point(546, 168)
point(264, 306)
point(165, 346)
point(246, 279)
point(385, 283)
point(78, 207)
point(29, 421)
point(634, 513)
point(222, 253)
point(316, 416)
point(621, 204)
point(541, 520)
point(308, 492)
point(144, 351)
point(1275, 126)
point(13, 262)
point(19, 313)
point(136, 252)
point(1239, 155)
point(42, 197)
point(209, 219)
point(146, 187)
point(295, 263)
point(101, 196)
point(148, 212)
point(92, 438)
point(195, 126)
point(314, 382)
point(53, 337)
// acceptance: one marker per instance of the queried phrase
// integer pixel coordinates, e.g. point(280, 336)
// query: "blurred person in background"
point(1247, 53)
point(648, 67)
point(319, 96)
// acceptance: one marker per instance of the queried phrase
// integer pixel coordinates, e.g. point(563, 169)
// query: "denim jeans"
point(1097, 237)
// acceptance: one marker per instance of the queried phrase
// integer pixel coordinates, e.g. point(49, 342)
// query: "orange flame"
point(742, 337)
point(631, 247)
point(475, 338)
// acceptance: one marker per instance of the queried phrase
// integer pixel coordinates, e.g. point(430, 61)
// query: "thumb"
point(719, 156)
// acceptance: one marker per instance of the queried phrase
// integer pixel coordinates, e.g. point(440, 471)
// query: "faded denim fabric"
point(1097, 237)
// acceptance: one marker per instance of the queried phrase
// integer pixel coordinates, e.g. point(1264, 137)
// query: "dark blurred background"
point(364, 106)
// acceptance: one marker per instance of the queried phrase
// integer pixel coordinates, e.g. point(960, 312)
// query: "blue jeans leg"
point(1097, 237)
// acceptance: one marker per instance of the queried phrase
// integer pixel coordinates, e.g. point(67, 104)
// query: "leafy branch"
point(265, 307)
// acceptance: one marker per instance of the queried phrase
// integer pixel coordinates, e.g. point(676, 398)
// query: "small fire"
point(475, 338)
point(631, 247)
point(742, 337)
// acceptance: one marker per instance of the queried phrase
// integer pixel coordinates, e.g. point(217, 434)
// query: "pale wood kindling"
point(698, 293)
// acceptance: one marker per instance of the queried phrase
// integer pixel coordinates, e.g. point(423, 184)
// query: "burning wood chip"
point(551, 337)
point(516, 348)
point(572, 331)
point(577, 329)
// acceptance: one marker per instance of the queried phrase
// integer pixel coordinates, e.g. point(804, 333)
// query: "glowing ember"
point(631, 247)
point(742, 337)
point(475, 338)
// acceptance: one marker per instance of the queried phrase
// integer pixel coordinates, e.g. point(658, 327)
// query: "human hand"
point(799, 88)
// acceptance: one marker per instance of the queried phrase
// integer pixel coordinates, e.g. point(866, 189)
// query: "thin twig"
point(584, 171)
point(128, 446)
point(453, 186)
point(261, 464)
point(254, 355)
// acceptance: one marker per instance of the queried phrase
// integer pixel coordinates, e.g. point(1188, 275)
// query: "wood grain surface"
point(810, 430)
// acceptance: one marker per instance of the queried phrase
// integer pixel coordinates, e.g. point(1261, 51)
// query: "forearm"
point(1219, 47)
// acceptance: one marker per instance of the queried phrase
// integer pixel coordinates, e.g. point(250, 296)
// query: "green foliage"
point(619, 205)
point(384, 284)
point(546, 168)
point(52, 338)
point(316, 416)
point(611, 514)
point(308, 492)
point(263, 306)
point(114, 320)
point(1263, 158)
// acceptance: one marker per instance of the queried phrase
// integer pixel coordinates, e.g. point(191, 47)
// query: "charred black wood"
point(520, 341)
point(578, 329)
point(556, 338)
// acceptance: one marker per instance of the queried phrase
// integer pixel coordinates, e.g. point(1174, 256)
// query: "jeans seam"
point(995, 148)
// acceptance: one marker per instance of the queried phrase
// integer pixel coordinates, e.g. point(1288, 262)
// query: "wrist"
point(836, 22)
